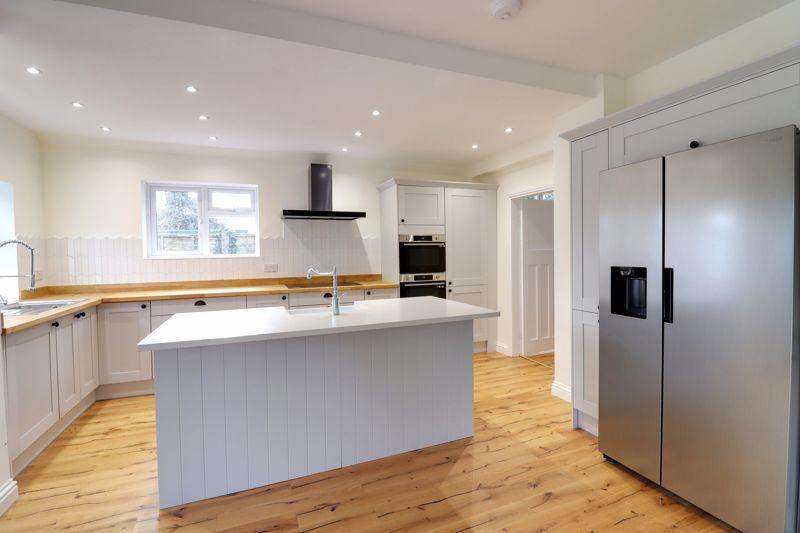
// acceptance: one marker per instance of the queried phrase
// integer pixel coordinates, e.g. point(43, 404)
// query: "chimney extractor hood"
point(320, 198)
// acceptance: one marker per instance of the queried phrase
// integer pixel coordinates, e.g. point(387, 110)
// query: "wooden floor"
point(525, 470)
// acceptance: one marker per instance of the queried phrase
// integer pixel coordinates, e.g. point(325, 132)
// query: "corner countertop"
point(92, 297)
point(192, 330)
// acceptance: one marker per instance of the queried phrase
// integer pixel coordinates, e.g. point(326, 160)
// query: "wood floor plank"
point(525, 469)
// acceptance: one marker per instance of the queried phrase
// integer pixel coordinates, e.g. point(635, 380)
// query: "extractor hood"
point(320, 198)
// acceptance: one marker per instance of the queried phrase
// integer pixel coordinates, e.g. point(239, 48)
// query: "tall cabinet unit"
point(756, 98)
point(466, 213)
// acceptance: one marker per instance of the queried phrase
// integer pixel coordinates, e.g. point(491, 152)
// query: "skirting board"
point(111, 391)
point(480, 347)
point(559, 390)
point(586, 422)
point(503, 349)
point(9, 492)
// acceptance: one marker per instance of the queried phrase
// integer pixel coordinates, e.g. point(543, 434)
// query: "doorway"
point(533, 273)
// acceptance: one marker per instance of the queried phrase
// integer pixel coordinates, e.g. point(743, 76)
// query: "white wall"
point(20, 169)
point(92, 197)
point(753, 40)
point(512, 182)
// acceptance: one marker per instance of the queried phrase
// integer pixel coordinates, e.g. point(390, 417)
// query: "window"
point(189, 220)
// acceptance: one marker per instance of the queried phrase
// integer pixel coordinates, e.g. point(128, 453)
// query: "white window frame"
point(204, 191)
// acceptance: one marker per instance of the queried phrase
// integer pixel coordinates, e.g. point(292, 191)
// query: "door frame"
point(515, 264)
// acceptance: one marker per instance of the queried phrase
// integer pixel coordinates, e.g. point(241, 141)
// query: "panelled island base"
point(251, 397)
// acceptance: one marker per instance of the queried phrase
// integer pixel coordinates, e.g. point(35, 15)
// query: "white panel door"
point(421, 205)
point(537, 256)
point(122, 326)
point(475, 295)
point(586, 361)
point(69, 386)
point(467, 222)
point(32, 378)
point(589, 157)
point(85, 337)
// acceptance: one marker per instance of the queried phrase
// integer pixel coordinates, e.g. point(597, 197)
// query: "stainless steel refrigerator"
point(699, 326)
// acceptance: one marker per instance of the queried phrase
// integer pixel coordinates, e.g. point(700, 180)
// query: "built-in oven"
point(423, 285)
point(422, 254)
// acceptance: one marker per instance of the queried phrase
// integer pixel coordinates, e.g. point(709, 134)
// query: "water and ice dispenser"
point(629, 291)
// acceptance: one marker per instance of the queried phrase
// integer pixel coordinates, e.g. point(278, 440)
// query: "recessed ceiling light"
point(212, 137)
point(344, 148)
point(106, 129)
point(475, 147)
point(77, 105)
point(376, 113)
point(203, 117)
point(33, 70)
point(509, 130)
point(191, 89)
point(358, 133)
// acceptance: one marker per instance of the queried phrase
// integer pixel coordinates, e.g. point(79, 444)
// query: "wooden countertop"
point(92, 296)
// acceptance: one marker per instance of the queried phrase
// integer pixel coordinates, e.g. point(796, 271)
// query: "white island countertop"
point(188, 330)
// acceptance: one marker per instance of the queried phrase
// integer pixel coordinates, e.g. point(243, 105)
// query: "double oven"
point(422, 265)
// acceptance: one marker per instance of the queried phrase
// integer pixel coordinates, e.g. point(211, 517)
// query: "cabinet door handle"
point(77, 315)
point(199, 303)
point(402, 220)
point(283, 297)
point(55, 324)
point(83, 313)
point(143, 306)
point(369, 293)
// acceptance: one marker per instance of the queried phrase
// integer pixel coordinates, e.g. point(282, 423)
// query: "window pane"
point(232, 235)
point(177, 221)
point(231, 200)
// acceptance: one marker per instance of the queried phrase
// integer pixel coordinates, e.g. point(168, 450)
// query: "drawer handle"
point(369, 292)
point(199, 303)
point(283, 297)
point(143, 306)
point(327, 295)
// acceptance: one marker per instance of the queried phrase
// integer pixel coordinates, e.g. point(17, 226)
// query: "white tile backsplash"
point(98, 260)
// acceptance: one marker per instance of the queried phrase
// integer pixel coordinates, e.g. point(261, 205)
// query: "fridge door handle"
point(668, 293)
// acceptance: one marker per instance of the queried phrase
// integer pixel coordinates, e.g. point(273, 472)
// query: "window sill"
point(216, 256)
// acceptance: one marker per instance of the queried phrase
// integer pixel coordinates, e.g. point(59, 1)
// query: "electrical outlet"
point(270, 267)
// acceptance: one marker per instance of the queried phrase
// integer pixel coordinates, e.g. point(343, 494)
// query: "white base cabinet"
point(475, 295)
point(32, 380)
point(268, 300)
point(122, 326)
point(586, 357)
point(69, 387)
point(86, 349)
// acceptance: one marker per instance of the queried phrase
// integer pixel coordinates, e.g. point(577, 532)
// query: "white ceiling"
point(261, 93)
point(289, 82)
point(619, 37)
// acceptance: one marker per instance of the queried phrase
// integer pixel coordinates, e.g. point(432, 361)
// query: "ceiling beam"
point(257, 18)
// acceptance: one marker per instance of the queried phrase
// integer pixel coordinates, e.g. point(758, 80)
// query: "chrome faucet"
point(31, 277)
point(313, 272)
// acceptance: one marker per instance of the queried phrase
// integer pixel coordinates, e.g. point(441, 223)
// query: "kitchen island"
point(250, 397)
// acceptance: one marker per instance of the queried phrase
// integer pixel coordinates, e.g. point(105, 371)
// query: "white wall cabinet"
point(475, 295)
point(469, 219)
point(589, 156)
point(122, 326)
point(267, 300)
point(421, 205)
point(32, 379)
point(69, 386)
point(751, 106)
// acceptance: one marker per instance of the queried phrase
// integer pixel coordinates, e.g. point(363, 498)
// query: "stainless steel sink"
point(34, 308)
